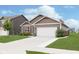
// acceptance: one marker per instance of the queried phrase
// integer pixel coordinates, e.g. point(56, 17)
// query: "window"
point(26, 29)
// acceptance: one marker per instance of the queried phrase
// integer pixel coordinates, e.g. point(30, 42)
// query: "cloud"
point(4, 12)
point(72, 23)
point(44, 10)
point(30, 11)
point(49, 11)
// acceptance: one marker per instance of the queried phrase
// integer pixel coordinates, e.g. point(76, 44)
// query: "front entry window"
point(26, 29)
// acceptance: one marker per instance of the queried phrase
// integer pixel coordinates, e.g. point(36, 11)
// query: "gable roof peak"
point(40, 15)
point(20, 16)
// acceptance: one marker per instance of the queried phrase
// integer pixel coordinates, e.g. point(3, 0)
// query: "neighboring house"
point(2, 31)
point(72, 30)
point(16, 22)
point(44, 26)
point(1, 25)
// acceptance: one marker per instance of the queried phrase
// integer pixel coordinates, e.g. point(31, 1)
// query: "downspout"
point(12, 28)
point(60, 25)
point(34, 30)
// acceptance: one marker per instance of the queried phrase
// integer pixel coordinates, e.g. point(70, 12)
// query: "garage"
point(46, 31)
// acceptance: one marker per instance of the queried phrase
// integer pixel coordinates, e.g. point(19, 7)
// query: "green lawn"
point(5, 39)
point(35, 52)
point(71, 42)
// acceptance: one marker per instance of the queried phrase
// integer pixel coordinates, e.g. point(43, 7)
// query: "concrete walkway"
point(42, 48)
point(53, 50)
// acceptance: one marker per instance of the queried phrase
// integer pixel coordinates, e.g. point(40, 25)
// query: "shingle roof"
point(6, 17)
point(54, 19)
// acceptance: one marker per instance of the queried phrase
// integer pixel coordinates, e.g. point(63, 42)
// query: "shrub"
point(26, 34)
point(60, 33)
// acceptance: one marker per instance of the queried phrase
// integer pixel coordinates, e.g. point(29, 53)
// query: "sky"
point(68, 13)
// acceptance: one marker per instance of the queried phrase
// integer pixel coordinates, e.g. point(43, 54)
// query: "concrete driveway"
point(20, 46)
point(32, 44)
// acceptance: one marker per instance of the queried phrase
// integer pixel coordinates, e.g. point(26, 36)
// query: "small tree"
point(60, 33)
point(7, 25)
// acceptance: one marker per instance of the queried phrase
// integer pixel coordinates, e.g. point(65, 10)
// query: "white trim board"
point(47, 23)
point(24, 22)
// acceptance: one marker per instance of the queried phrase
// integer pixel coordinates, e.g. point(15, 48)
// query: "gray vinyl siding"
point(16, 22)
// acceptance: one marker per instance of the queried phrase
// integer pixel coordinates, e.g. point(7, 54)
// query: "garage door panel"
point(46, 31)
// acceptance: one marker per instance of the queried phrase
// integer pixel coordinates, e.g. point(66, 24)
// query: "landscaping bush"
point(26, 34)
point(60, 33)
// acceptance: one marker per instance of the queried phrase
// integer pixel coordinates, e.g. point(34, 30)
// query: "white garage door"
point(46, 31)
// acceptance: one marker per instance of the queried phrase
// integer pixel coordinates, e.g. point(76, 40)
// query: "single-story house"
point(39, 26)
point(43, 26)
